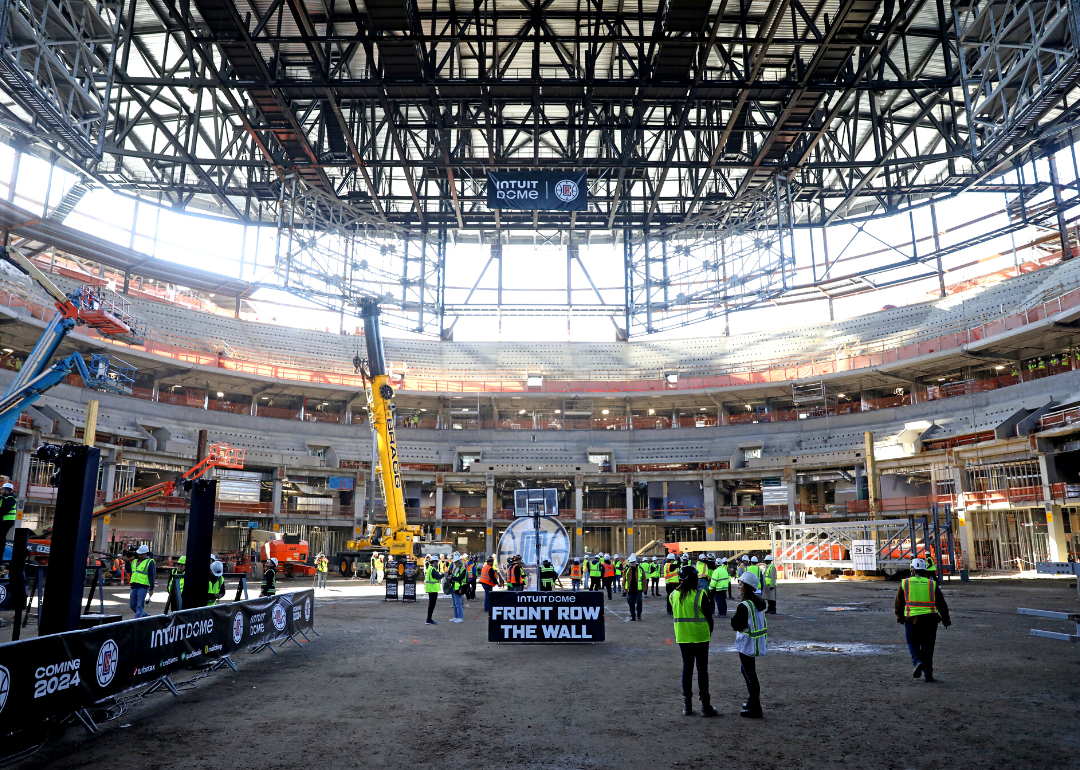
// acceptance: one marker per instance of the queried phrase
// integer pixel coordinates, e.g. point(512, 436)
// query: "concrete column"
point(359, 498)
point(872, 488)
point(965, 529)
point(792, 480)
point(1055, 521)
point(101, 535)
point(629, 515)
point(489, 524)
point(579, 516)
point(438, 506)
point(275, 502)
point(708, 486)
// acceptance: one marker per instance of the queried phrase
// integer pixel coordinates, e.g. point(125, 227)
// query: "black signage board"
point(546, 617)
point(538, 190)
point(57, 674)
point(408, 583)
point(391, 580)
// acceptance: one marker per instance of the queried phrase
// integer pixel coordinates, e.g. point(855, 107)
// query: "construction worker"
point(671, 578)
point(693, 623)
point(703, 572)
point(634, 584)
point(655, 570)
point(515, 574)
point(751, 634)
point(920, 607)
point(432, 585)
point(322, 564)
point(931, 567)
point(177, 576)
point(9, 505)
point(470, 577)
point(756, 569)
point(768, 590)
point(217, 584)
point(575, 575)
point(617, 582)
point(373, 569)
point(720, 584)
point(608, 568)
point(732, 568)
point(489, 578)
point(743, 564)
point(269, 581)
point(458, 581)
point(547, 576)
point(143, 575)
point(595, 573)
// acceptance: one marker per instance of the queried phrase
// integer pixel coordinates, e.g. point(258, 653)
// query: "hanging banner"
point(546, 617)
point(61, 673)
point(538, 190)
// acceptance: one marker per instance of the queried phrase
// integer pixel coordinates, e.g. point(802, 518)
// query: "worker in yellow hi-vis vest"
point(920, 607)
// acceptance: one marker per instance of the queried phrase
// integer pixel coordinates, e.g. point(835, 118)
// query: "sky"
point(530, 275)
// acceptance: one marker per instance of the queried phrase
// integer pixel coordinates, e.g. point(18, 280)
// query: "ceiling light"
point(604, 411)
point(999, 368)
point(558, 411)
point(652, 411)
point(265, 398)
point(220, 394)
point(941, 379)
point(840, 395)
point(748, 407)
point(8, 351)
point(423, 410)
point(521, 412)
point(703, 409)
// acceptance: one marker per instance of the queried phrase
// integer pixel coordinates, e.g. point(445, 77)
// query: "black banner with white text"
point(546, 617)
point(61, 673)
point(538, 190)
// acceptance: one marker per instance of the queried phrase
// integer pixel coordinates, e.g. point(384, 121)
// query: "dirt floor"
point(381, 689)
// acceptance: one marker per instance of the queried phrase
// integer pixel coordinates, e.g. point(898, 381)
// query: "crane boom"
point(381, 407)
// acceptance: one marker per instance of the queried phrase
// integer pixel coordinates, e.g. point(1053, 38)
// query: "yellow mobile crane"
point(398, 538)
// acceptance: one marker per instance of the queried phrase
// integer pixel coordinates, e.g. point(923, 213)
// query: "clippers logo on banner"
point(108, 660)
point(538, 191)
point(5, 687)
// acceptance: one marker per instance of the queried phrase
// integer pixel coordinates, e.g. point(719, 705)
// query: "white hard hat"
point(144, 548)
point(753, 560)
point(8, 485)
point(671, 557)
point(216, 568)
point(616, 556)
point(746, 558)
point(654, 558)
point(633, 558)
point(750, 579)
point(918, 564)
point(274, 559)
point(457, 557)
point(577, 561)
point(701, 557)
point(769, 557)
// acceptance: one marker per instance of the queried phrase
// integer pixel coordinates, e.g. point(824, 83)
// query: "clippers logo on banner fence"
point(538, 190)
point(51, 675)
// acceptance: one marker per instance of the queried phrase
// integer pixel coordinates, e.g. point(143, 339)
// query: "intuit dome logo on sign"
point(538, 190)
point(180, 631)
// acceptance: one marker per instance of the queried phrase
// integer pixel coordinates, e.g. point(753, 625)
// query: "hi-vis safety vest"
point(770, 575)
point(431, 583)
point(322, 564)
point(140, 572)
point(919, 596)
point(487, 575)
point(547, 578)
point(671, 572)
point(753, 641)
point(470, 570)
point(594, 568)
point(720, 579)
point(8, 504)
point(619, 568)
point(691, 625)
point(216, 584)
point(930, 566)
point(575, 572)
point(609, 569)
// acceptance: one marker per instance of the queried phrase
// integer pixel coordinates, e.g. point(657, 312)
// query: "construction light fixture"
point(521, 412)
point(941, 379)
point(999, 368)
point(219, 394)
point(748, 407)
point(703, 409)
point(841, 395)
point(265, 398)
point(652, 411)
point(558, 411)
point(603, 411)
point(8, 351)
point(534, 380)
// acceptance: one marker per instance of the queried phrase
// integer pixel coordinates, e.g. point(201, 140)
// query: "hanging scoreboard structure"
point(538, 191)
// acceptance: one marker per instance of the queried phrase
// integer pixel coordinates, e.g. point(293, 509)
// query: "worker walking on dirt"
point(634, 583)
point(432, 585)
point(693, 623)
point(609, 574)
point(143, 575)
point(703, 573)
point(732, 570)
point(920, 607)
point(671, 578)
point(617, 583)
point(9, 505)
point(768, 590)
point(654, 576)
point(489, 578)
point(595, 573)
point(269, 581)
point(720, 584)
point(458, 580)
point(751, 634)
point(575, 575)
point(322, 564)
point(470, 578)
